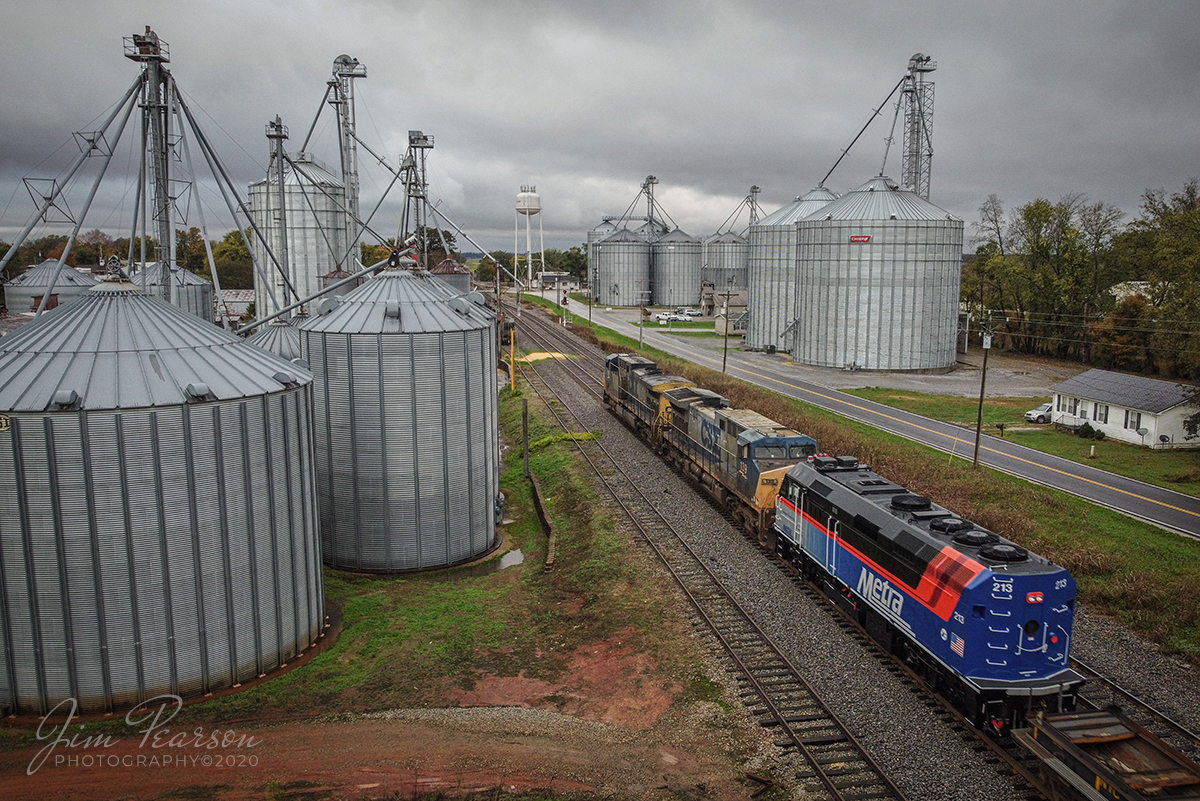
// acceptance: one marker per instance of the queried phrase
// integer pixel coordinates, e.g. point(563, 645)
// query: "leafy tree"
point(94, 246)
point(1122, 340)
point(190, 252)
point(233, 262)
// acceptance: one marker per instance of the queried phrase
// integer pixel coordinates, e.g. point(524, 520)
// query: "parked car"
point(1041, 414)
point(687, 311)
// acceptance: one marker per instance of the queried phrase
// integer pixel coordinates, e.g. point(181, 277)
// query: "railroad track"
point(1099, 692)
point(769, 685)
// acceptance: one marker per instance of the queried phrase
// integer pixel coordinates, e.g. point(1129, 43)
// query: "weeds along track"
point(768, 684)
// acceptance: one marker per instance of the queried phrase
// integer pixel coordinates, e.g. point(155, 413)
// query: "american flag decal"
point(957, 644)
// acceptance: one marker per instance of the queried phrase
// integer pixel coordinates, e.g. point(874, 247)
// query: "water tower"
point(529, 205)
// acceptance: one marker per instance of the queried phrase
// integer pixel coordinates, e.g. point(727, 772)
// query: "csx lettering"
point(880, 592)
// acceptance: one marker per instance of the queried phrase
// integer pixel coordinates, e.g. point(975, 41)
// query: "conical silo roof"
point(726, 237)
point(800, 208)
point(40, 275)
point(450, 267)
point(278, 337)
point(308, 174)
point(606, 228)
point(401, 302)
point(677, 235)
point(120, 348)
point(154, 276)
point(881, 199)
point(621, 235)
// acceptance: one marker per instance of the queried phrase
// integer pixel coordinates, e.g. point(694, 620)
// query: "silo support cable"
point(870, 119)
point(86, 207)
point(215, 162)
point(212, 265)
point(47, 202)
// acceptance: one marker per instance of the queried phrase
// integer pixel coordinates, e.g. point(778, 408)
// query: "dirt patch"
point(605, 681)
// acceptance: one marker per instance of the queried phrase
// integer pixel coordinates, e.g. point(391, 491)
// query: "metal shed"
point(771, 274)
point(158, 523)
point(880, 275)
point(454, 275)
point(407, 427)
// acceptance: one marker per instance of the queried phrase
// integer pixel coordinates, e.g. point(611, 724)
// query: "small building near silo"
point(183, 288)
point(621, 269)
point(675, 261)
point(24, 293)
point(880, 273)
point(771, 272)
point(158, 521)
point(407, 424)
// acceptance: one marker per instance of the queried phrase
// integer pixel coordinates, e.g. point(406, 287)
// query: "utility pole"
point(987, 346)
point(727, 294)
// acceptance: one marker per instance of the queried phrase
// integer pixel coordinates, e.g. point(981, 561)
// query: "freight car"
point(737, 455)
point(1106, 756)
point(987, 623)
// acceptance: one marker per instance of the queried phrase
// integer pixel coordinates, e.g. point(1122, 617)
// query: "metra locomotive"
point(986, 622)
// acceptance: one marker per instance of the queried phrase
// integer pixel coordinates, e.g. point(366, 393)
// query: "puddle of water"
point(510, 559)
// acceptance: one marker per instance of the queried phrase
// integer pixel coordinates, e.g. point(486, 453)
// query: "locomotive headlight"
point(1035, 598)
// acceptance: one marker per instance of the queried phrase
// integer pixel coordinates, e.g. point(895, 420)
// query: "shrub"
point(1099, 435)
point(1086, 431)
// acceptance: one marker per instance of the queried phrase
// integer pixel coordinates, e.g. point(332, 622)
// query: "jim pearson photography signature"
point(159, 745)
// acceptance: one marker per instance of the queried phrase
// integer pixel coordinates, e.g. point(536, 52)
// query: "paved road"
point(1170, 510)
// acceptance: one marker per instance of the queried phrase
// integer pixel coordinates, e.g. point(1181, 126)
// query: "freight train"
point(986, 623)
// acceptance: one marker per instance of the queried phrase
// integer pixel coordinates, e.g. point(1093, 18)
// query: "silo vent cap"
point(391, 308)
point(285, 378)
point(64, 398)
point(328, 304)
point(198, 390)
point(301, 363)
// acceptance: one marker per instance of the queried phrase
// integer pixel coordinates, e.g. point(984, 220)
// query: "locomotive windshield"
point(770, 452)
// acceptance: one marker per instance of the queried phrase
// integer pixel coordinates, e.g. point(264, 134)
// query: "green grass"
point(1178, 470)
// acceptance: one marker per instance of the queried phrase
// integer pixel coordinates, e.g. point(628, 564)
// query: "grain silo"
point(279, 337)
point(24, 293)
point(314, 202)
point(407, 431)
point(675, 260)
point(191, 292)
point(622, 269)
point(158, 522)
point(880, 272)
point(454, 275)
point(771, 274)
point(726, 256)
point(651, 231)
point(601, 231)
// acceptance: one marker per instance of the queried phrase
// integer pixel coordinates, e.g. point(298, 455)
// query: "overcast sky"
point(584, 99)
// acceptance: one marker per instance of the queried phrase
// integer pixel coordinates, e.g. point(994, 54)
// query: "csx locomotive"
point(987, 623)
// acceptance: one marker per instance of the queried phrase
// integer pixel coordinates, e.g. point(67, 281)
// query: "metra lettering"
point(878, 591)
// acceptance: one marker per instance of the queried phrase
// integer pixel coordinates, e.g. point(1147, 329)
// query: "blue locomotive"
point(987, 623)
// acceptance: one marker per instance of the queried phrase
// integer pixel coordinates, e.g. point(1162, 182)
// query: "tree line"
point(1073, 281)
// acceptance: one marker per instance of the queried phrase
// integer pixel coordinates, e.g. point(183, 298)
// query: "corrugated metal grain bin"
point(191, 292)
point(23, 293)
point(315, 205)
point(675, 260)
point(279, 337)
point(622, 269)
point(454, 275)
point(601, 231)
point(726, 257)
point(407, 430)
point(880, 275)
point(771, 276)
point(158, 522)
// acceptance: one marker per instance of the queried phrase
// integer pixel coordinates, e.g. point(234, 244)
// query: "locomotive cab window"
point(801, 451)
point(770, 452)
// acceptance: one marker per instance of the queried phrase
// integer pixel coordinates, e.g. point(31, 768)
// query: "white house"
point(1131, 408)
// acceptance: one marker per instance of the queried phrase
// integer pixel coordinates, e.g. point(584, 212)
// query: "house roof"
point(1131, 391)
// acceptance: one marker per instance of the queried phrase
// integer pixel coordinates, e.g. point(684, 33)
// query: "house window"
point(1133, 420)
point(1083, 409)
point(1070, 405)
point(1100, 412)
